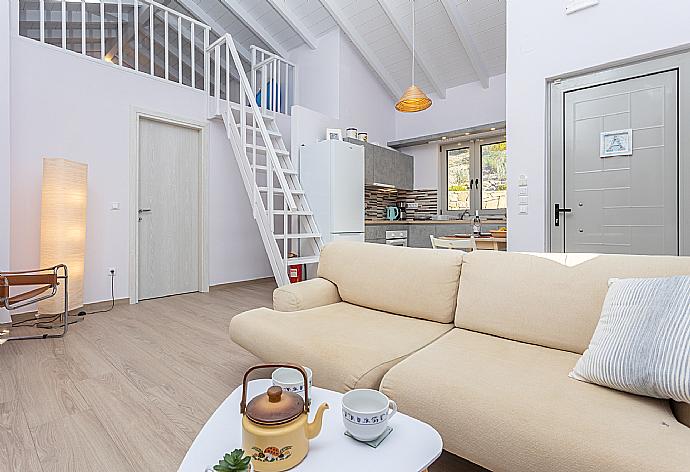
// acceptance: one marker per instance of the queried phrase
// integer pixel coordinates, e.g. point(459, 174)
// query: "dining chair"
point(463, 244)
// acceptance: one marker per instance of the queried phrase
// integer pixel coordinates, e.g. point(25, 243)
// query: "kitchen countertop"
point(432, 222)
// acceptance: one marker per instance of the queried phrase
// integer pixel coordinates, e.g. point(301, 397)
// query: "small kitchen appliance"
point(392, 213)
point(402, 206)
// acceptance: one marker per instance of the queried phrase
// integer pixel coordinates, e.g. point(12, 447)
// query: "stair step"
point(298, 235)
point(275, 134)
point(280, 152)
point(265, 168)
point(303, 260)
point(280, 190)
point(294, 212)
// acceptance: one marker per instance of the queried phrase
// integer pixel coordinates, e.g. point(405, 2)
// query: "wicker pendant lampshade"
point(414, 99)
point(63, 228)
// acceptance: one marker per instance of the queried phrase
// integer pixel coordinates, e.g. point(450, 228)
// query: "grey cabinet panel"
point(368, 164)
point(406, 171)
point(451, 229)
point(374, 232)
point(418, 235)
point(384, 166)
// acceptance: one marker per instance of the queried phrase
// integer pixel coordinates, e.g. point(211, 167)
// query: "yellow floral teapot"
point(275, 427)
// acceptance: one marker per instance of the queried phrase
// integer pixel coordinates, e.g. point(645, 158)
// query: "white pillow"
point(642, 342)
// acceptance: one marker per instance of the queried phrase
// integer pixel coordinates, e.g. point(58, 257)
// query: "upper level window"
point(475, 176)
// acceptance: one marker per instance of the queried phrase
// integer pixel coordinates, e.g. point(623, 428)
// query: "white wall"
point(560, 44)
point(67, 106)
point(364, 103)
point(4, 140)
point(426, 162)
point(465, 106)
point(336, 84)
point(318, 77)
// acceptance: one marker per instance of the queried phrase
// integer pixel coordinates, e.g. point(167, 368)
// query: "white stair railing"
point(141, 35)
point(273, 80)
point(286, 222)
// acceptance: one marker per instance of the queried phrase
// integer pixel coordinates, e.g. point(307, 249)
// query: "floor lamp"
point(63, 228)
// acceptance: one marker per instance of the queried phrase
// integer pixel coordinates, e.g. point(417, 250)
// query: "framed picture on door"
point(616, 143)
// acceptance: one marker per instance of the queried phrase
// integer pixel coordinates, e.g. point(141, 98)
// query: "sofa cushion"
point(510, 406)
point(304, 295)
point(421, 283)
point(346, 346)
point(553, 300)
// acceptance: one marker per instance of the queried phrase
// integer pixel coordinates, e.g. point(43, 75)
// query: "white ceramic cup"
point(291, 380)
point(366, 413)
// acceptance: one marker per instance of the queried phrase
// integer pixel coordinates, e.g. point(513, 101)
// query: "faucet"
point(462, 215)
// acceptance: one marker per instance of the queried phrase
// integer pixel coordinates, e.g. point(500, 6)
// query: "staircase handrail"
point(246, 92)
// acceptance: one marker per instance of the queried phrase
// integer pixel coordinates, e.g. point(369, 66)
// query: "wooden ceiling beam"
point(349, 29)
point(295, 23)
point(253, 24)
point(420, 61)
point(468, 43)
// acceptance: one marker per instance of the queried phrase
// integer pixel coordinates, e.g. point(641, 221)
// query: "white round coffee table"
point(411, 446)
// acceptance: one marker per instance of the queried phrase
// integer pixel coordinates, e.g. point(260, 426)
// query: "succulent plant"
point(233, 462)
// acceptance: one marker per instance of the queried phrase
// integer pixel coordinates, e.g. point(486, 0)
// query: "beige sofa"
point(479, 347)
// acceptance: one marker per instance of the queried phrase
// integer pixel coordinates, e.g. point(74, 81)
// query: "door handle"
point(476, 184)
point(471, 183)
point(144, 210)
point(557, 213)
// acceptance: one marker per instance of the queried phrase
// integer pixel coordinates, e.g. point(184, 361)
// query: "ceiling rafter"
point(253, 24)
point(468, 43)
point(295, 23)
point(196, 10)
point(440, 91)
point(361, 45)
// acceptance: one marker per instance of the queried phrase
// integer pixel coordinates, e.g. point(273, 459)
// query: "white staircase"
point(280, 206)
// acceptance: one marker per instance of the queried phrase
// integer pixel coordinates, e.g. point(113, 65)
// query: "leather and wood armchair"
point(47, 281)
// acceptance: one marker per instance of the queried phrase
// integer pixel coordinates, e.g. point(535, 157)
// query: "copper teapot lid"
point(275, 407)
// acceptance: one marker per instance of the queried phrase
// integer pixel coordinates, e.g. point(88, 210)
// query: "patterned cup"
point(291, 380)
point(366, 413)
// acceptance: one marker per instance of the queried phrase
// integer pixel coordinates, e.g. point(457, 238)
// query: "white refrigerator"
point(332, 175)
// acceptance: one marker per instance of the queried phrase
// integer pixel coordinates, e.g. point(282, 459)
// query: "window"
point(475, 176)
point(458, 166)
point(494, 180)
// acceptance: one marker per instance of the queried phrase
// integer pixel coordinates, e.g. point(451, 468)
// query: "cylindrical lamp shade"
point(63, 228)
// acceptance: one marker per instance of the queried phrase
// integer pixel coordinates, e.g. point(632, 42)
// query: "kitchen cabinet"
point(386, 166)
point(451, 229)
point(419, 235)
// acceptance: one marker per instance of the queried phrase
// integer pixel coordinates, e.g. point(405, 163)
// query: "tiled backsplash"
point(377, 199)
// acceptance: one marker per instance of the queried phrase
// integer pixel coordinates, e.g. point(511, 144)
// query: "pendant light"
point(414, 99)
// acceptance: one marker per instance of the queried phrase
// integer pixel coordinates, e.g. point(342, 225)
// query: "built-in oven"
point(396, 238)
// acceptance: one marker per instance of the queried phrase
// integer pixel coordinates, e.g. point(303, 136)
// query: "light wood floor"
point(128, 390)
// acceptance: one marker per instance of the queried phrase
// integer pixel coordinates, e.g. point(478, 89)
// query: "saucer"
point(374, 442)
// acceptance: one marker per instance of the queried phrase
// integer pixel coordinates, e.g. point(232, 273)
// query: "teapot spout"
point(314, 428)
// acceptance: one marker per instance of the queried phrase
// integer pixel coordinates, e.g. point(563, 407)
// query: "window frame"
point(474, 145)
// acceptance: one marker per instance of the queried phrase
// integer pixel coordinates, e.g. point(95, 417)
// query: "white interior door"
point(169, 209)
point(625, 203)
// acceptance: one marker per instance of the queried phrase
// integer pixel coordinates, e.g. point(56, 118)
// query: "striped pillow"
point(642, 342)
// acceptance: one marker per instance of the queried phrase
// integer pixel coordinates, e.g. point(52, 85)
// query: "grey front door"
point(626, 204)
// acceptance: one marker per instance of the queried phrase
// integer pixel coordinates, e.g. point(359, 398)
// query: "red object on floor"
point(294, 272)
